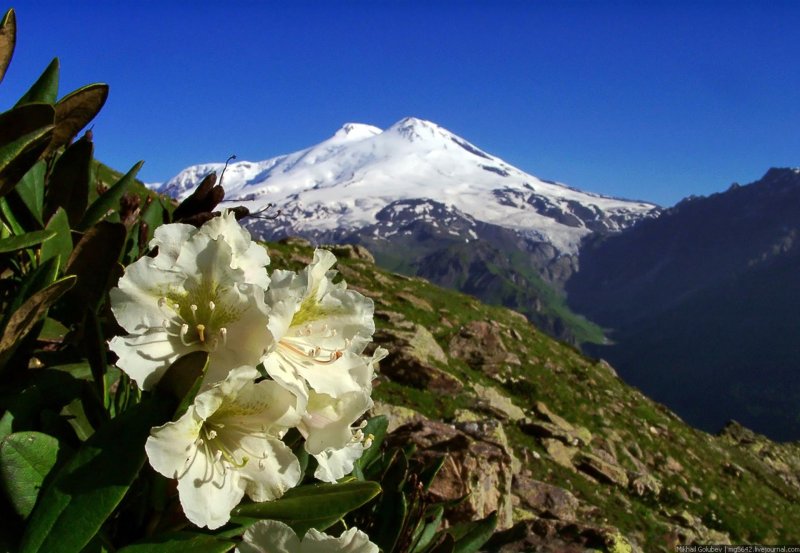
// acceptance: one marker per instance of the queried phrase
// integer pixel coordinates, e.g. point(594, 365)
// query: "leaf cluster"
point(73, 471)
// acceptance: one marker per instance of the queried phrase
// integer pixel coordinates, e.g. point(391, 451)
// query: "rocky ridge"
point(570, 457)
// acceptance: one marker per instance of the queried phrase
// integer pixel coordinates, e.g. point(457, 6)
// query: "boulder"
point(497, 403)
point(480, 345)
point(544, 499)
point(413, 356)
point(397, 415)
point(478, 465)
point(560, 453)
point(542, 535)
point(601, 470)
point(349, 251)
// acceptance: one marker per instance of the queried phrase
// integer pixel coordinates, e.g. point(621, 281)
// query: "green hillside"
point(568, 454)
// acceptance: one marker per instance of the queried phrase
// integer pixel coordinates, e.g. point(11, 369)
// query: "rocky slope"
point(702, 304)
point(570, 457)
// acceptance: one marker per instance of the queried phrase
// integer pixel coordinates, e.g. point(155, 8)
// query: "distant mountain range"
point(701, 301)
point(430, 203)
point(704, 305)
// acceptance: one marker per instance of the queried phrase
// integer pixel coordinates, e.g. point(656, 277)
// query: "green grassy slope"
point(739, 484)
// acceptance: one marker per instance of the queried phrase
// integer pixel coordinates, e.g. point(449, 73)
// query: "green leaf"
point(25, 460)
point(31, 190)
point(479, 533)
point(428, 530)
point(94, 261)
point(429, 472)
point(23, 120)
point(180, 542)
point(17, 157)
point(8, 39)
point(24, 318)
point(50, 389)
point(61, 245)
point(314, 506)
point(376, 427)
point(70, 181)
point(183, 379)
point(85, 491)
point(391, 517)
point(27, 240)
point(75, 110)
point(446, 544)
point(40, 278)
point(109, 199)
point(45, 89)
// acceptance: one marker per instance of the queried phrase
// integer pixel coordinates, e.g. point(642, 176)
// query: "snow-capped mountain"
point(344, 182)
point(428, 202)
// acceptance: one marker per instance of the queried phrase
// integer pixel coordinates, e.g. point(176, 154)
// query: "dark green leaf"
point(429, 472)
point(8, 38)
point(25, 460)
point(24, 318)
point(85, 491)
point(314, 506)
point(183, 378)
point(23, 120)
point(70, 181)
point(40, 278)
point(54, 331)
point(109, 199)
point(75, 110)
point(31, 191)
point(45, 89)
point(27, 240)
point(182, 542)
point(93, 261)
point(17, 157)
point(391, 516)
point(376, 427)
point(396, 473)
point(50, 389)
point(446, 544)
point(428, 530)
point(479, 533)
point(61, 245)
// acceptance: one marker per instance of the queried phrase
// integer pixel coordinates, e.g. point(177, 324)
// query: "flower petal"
point(249, 256)
point(208, 492)
point(145, 357)
point(333, 464)
point(328, 420)
point(169, 239)
point(271, 471)
point(269, 536)
point(171, 446)
point(350, 541)
point(135, 302)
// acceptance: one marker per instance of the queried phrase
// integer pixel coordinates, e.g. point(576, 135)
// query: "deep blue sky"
point(648, 100)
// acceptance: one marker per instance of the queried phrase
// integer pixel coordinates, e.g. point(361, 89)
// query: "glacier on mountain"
point(345, 182)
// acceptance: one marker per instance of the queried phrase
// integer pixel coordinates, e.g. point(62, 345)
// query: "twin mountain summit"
point(698, 304)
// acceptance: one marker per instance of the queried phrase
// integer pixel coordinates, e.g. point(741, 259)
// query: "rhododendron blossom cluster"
point(286, 351)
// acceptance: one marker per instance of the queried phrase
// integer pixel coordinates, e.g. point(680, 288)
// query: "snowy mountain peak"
point(341, 184)
point(357, 131)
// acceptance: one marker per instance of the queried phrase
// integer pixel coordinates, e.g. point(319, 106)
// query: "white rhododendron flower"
point(320, 330)
point(227, 444)
point(271, 536)
point(328, 428)
point(203, 291)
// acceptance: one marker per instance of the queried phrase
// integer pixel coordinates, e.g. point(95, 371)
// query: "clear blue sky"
point(646, 100)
